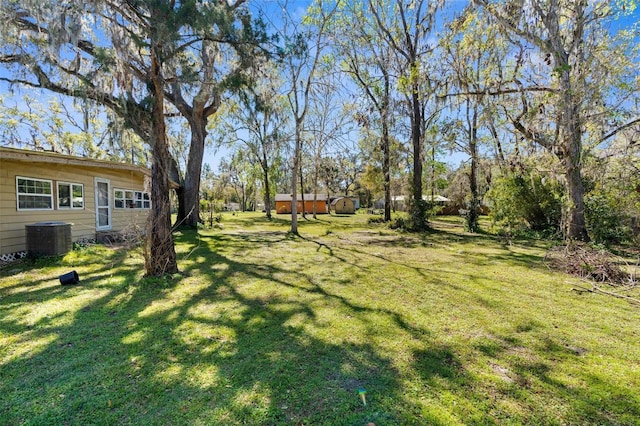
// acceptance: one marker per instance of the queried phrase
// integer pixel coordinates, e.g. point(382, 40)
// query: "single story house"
point(343, 205)
point(283, 203)
point(94, 196)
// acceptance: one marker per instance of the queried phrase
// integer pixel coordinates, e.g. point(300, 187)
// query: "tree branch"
point(619, 129)
point(498, 92)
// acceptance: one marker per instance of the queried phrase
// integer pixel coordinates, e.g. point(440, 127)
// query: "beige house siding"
point(54, 168)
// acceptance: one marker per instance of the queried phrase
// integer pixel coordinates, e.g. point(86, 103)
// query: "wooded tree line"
point(366, 97)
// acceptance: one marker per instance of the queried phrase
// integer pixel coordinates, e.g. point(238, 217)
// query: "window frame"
point(140, 200)
point(18, 194)
point(71, 197)
point(131, 199)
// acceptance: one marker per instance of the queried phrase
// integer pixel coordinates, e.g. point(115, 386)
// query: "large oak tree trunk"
point(574, 219)
point(418, 213)
point(571, 155)
point(160, 256)
point(191, 208)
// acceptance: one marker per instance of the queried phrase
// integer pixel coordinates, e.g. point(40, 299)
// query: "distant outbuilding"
point(343, 205)
point(283, 203)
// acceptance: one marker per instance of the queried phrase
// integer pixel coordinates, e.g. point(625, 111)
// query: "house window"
point(70, 195)
point(34, 194)
point(143, 200)
point(125, 199)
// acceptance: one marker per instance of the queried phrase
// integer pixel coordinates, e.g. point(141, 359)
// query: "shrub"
point(526, 202)
point(375, 219)
point(400, 223)
point(605, 219)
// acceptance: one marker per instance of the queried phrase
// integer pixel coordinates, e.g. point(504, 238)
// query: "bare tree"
point(473, 62)
point(328, 123)
point(405, 26)
point(368, 62)
point(301, 54)
point(258, 122)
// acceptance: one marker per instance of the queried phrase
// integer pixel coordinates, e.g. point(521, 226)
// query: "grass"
point(264, 327)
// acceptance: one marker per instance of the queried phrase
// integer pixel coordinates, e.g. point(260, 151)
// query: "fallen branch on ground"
point(595, 289)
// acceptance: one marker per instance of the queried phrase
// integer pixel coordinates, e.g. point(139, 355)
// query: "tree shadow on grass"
point(233, 342)
point(252, 221)
point(607, 404)
point(198, 350)
point(482, 249)
point(526, 374)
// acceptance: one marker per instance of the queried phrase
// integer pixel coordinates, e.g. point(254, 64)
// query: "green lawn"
point(267, 328)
